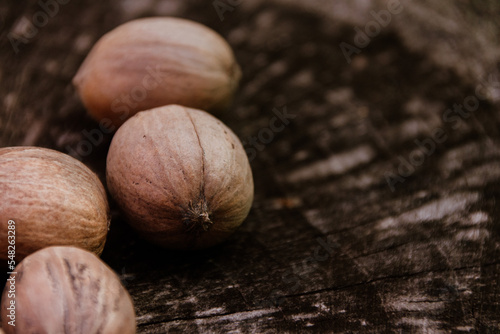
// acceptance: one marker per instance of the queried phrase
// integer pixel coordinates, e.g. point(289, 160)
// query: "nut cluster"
point(180, 176)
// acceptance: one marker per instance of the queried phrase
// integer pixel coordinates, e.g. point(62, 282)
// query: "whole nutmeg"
point(66, 290)
point(152, 62)
point(49, 198)
point(181, 176)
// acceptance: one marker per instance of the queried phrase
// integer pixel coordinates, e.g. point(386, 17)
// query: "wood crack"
point(343, 287)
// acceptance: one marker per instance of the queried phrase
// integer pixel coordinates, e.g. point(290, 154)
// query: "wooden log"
point(376, 198)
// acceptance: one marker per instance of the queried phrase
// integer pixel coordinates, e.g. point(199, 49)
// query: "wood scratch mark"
point(334, 165)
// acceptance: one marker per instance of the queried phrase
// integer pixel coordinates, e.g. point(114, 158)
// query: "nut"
point(53, 199)
point(181, 176)
point(152, 62)
point(66, 290)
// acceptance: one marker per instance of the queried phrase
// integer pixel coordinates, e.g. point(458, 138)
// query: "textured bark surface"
point(329, 245)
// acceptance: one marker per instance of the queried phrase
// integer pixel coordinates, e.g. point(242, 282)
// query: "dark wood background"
point(328, 245)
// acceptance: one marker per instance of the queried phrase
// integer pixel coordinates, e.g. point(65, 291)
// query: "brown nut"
point(52, 199)
point(66, 290)
point(152, 62)
point(181, 176)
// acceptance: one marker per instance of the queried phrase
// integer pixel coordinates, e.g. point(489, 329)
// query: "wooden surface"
point(328, 245)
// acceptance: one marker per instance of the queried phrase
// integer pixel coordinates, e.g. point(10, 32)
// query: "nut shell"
point(181, 176)
point(67, 290)
point(53, 199)
point(152, 62)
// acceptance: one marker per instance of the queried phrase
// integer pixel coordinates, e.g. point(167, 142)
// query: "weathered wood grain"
point(329, 246)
